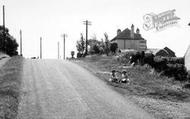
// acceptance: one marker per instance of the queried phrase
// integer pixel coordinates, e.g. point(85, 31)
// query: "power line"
point(87, 23)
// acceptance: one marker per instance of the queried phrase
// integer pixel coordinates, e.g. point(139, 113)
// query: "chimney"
point(138, 31)
point(118, 31)
point(132, 31)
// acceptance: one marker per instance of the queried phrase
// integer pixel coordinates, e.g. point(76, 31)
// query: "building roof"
point(169, 51)
point(125, 35)
point(155, 51)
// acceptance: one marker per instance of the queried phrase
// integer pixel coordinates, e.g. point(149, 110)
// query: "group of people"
point(123, 79)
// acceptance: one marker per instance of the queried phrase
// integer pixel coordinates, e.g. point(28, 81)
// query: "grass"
point(10, 87)
point(143, 82)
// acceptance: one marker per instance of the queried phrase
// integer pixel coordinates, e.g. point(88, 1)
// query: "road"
point(55, 89)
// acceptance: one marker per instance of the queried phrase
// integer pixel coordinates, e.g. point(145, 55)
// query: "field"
point(9, 87)
point(162, 96)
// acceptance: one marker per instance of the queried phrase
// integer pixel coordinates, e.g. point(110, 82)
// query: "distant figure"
point(124, 77)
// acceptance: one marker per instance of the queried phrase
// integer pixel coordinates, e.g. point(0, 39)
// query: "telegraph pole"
point(4, 35)
point(64, 36)
point(58, 50)
point(40, 47)
point(20, 42)
point(86, 23)
point(4, 17)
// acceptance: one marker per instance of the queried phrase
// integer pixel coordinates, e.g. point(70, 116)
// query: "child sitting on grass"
point(124, 77)
point(114, 77)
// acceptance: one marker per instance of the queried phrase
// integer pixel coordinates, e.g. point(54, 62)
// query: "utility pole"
point(4, 17)
point(86, 23)
point(58, 50)
point(64, 36)
point(20, 42)
point(40, 47)
point(4, 34)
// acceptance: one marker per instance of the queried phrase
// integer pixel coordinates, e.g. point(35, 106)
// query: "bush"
point(171, 67)
point(149, 59)
point(174, 60)
point(159, 64)
point(187, 86)
point(122, 59)
point(96, 49)
point(79, 55)
point(113, 47)
point(178, 71)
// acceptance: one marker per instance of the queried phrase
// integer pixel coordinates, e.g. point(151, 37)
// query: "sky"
point(50, 19)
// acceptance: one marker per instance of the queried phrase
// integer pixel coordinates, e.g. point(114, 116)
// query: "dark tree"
point(106, 44)
point(80, 46)
point(113, 47)
point(8, 43)
point(96, 49)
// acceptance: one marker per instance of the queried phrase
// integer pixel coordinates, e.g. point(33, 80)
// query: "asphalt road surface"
point(55, 89)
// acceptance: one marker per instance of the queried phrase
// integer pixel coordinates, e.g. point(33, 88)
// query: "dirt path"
point(55, 89)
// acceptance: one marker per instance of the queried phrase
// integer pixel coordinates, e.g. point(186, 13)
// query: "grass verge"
point(162, 96)
point(10, 83)
point(143, 82)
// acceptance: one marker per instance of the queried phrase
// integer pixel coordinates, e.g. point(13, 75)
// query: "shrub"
point(113, 47)
point(174, 60)
point(79, 55)
point(159, 64)
point(178, 71)
point(149, 59)
point(171, 67)
point(96, 49)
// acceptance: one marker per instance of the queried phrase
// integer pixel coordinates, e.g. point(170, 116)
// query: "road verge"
point(10, 83)
point(159, 95)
